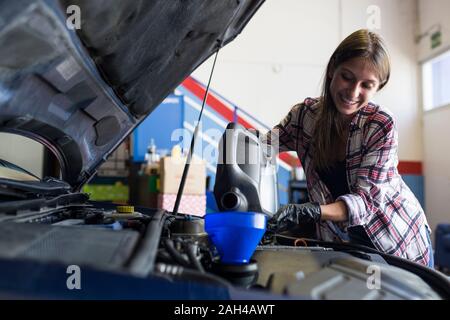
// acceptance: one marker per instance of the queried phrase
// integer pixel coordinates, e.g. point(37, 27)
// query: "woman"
point(348, 148)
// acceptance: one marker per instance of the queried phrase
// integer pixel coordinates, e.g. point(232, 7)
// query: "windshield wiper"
point(12, 207)
point(47, 186)
point(8, 193)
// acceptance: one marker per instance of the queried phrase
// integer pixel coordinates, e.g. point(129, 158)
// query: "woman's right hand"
point(293, 214)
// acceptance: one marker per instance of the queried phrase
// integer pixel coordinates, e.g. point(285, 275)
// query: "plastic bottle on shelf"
point(150, 156)
point(176, 151)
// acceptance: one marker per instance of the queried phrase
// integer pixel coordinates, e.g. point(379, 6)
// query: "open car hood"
point(81, 92)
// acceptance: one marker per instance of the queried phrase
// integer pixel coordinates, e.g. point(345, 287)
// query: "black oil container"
point(246, 177)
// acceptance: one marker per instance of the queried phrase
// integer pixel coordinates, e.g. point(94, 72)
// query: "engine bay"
point(142, 242)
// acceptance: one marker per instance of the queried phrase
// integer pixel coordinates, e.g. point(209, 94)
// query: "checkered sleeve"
point(370, 195)
point(285, 135)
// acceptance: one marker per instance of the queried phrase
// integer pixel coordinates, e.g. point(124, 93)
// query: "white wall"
point(398, 26)
point(22, 151)
point(280, 58)
point(274, 63)
point(437, 165)
point(432, 13)
point(436, 128)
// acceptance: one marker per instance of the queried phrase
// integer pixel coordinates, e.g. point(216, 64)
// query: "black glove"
point(293, 214)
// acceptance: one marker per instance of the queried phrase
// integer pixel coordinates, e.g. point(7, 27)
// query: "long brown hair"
point(330, 127)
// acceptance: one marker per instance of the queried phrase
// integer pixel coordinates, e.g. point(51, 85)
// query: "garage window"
point(435, 82)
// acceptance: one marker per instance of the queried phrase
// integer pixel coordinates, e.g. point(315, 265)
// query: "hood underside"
point(81, 91)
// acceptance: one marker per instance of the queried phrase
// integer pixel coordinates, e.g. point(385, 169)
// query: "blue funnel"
point(235, 234)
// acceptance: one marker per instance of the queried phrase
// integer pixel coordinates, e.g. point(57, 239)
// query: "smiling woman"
point(348, 149)
point(358, 68)
point(353, 83)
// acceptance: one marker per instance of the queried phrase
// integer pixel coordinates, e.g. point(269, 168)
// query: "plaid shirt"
point(379, 200)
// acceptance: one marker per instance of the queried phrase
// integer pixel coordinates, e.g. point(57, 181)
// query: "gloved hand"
point(293, 214)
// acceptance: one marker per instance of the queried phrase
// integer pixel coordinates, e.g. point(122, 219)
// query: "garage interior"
point(277, 61)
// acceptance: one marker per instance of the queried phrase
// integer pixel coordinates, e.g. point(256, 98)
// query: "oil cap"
point(125, 209)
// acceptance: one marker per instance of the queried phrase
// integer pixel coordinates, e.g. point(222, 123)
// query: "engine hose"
point(191, 253)
point(168, 243)
point(191, 274)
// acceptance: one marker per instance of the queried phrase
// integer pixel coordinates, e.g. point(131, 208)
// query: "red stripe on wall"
point(199, 91)
point(214, 103)
point(404, 167)
point(410, 167)
point(290, 160)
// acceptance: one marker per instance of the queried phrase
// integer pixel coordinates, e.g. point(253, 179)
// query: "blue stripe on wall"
point(416, 184)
